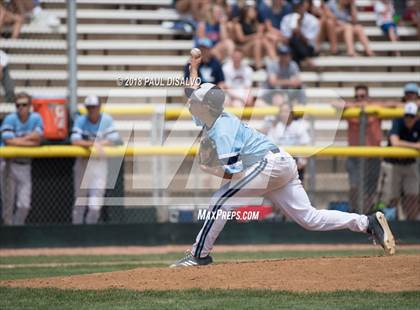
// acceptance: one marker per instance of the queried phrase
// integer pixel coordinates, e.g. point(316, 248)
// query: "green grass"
point(23, 267)
point(15, 299)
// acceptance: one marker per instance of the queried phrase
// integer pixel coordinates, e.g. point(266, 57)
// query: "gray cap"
point(209, 94)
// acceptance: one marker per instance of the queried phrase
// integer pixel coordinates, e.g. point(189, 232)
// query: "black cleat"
point(190, 260)
point(379, 228)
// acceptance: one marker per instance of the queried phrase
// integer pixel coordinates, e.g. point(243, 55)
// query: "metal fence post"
point(362, 141)
point(156, 139)
point(311, 161)
point(72, 56)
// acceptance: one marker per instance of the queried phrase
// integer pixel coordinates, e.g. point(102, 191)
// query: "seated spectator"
point(272, 17)
point(210, 69)
point(7, 18)
point(284, 74)
point(23, 7)
point(399, 176)
point(384, 10)
point(238, 80)
point(249, 35)
point(96, 129)
point(190, 12)
point(284, 130)
point(21, 128)
point(411, 93)
point(6, 80)
point(373, 137)
point(215, 28)
point(319, 9)
point(301, 30)
point(346, 25)
point(412, 14)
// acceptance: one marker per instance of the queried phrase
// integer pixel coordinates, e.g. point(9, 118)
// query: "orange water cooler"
point(54, 115)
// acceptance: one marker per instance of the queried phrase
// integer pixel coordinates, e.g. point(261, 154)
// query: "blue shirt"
point(210, 72)
point(267, 12)
point(103, 129)
point(12, 127)
point(238, 145)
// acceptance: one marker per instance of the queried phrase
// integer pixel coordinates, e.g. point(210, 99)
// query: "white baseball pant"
point(16, 187)
point(275, 178)
point(89, 187)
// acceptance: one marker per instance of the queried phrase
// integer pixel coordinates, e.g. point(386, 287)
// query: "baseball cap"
point(411, 88)
point(206, 42)
point(283, 50)
point(410, 108)
point(209, 94)
point(92, 101)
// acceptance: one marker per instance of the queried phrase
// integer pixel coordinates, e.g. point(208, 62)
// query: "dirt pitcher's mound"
point(397, 273)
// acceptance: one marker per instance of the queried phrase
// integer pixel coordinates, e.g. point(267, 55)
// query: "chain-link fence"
point(350, 184)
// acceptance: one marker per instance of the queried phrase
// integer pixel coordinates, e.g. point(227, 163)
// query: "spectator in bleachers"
point(8, 18)
point(21, 128)
point(412, 14)
point(23, 7)
point(301, 30)
point(6, 80)
point(272, 17)
point(191, 12)
point(373, 137)
point(399, 176)
point(384, 10)
point(249, 35)
point(284, 74)
point(210, 69)
point(96, 130)
point(214, 27)
point(284, 130)
point(411, 93)
point(346, 25)
point(238, 80)
point(320, 10)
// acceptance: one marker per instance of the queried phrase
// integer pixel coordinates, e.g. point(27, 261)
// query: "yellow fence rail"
point(77, 151)
point(299, 110)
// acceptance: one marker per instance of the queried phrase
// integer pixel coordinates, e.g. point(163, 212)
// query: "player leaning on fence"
point(21, 128)
point(256, 167)
point(95, 130)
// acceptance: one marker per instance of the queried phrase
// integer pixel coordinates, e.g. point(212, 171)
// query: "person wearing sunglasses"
point(373, 137)
point(22, 128)
point(399, 179)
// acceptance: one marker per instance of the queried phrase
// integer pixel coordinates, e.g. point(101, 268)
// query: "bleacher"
point(123, 39)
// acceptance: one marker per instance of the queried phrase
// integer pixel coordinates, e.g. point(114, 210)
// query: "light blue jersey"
point(12, 127)
point(238, 145)
point(104, 129)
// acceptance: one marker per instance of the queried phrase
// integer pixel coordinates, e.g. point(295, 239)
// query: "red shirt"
point(373, 131)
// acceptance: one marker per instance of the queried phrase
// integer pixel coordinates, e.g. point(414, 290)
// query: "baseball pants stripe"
point(230, 192)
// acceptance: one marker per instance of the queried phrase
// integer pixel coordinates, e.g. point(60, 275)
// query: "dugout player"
point(21, 128)
point(255, 166)
point(96, 129)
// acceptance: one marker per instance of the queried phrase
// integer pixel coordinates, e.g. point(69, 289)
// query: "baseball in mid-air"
point(195, 53)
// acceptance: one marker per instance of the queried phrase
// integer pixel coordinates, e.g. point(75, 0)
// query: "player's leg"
point(98, 169)
point(294, 201)
point(23, 192)
point(8, 191)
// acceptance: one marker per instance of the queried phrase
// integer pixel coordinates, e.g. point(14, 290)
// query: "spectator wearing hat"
point(21, 129)
point(411, 93)
point(239, 77)
point(96, 130)
point(210, 69)
point(283, 76)
point(399, 176)
point(301, 30)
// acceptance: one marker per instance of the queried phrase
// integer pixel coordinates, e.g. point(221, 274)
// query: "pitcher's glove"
point(207, 153)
